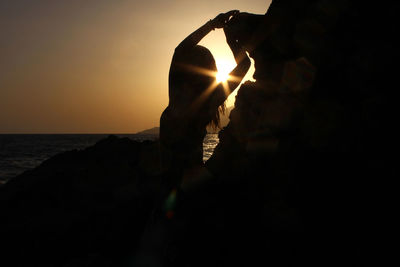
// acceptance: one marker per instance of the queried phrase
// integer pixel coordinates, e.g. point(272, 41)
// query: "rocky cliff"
point(308, 145)
point(303, 171)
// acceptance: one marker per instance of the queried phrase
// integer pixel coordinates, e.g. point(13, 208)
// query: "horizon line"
point(72, 133)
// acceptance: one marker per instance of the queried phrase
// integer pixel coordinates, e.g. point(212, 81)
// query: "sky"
point(97, 66)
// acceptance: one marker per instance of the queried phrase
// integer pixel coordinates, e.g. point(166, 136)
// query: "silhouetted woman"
point(195, 100)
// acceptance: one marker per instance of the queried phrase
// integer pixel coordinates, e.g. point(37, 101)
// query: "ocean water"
point(209, 144)
point(21, 152)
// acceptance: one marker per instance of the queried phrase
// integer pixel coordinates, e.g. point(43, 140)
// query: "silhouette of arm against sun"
point(216, 23)
point(237, 74)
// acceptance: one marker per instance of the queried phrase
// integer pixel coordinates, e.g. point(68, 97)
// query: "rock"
point(302, 161)
point(80, 203)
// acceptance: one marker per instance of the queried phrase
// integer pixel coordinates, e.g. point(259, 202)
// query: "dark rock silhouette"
point(80, 208)
point(304, 164)
point(302, 178)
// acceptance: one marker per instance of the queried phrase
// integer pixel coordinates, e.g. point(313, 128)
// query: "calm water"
point(21, 152)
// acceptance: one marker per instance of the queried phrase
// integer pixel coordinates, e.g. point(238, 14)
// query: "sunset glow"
point(99, 66)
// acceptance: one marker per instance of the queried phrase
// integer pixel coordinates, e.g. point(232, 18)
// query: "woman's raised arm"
point(216, 23)
point(241, 58)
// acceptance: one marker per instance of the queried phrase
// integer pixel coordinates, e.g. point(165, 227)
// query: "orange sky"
point(96, 66)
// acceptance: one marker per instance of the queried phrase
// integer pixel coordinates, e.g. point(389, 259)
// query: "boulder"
point(80, 208)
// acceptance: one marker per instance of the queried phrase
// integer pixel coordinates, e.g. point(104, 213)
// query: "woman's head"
point(190, 76)
point(190, 67)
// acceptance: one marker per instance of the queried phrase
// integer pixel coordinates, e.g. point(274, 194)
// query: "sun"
point(222, 76)
point(224, 68)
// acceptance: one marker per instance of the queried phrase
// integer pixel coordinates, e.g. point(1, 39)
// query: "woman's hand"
point(222, 19)
point(195, 37)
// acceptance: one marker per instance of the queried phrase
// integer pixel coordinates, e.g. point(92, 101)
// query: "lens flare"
point(222, 76)
point(224, 68)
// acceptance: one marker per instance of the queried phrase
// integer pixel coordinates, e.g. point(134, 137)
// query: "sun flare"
point(222, 76)
point(224, 68)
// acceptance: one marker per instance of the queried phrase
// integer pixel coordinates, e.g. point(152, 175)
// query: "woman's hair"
point(188, 79)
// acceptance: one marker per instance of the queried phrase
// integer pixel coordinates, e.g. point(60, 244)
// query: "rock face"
point(300, 169)
point(304, 160)
point(80, 208)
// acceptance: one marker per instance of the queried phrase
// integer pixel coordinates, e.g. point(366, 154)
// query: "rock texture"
point(302, 173)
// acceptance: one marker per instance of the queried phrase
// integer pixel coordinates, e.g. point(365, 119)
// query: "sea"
point(22, 152)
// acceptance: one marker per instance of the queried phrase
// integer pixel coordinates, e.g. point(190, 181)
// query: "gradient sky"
point(97, 66)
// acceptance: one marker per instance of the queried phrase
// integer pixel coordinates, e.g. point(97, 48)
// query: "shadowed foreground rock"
point(80, 208)
point(303, 177)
